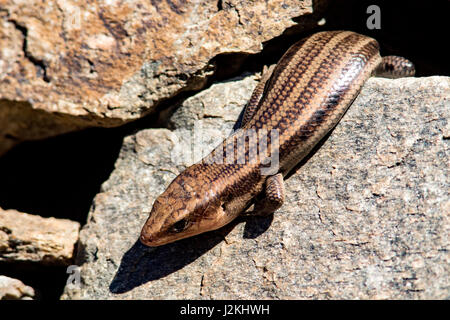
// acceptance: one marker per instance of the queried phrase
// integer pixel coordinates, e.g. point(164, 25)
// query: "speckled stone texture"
point(365, 217)
point(68, 65)
point(13, 289)
point(31, 238)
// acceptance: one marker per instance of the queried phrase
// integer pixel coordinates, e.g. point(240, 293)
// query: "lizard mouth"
point(156, 241)
point(148, 241)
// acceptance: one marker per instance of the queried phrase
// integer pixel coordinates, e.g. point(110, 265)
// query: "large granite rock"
point(366, 216)
point(66, 66)
point(31, 238)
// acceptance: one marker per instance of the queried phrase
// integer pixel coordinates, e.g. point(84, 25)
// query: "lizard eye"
point(179, 226)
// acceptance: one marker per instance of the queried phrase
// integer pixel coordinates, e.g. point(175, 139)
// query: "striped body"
point(307, 94)
point(313, 87)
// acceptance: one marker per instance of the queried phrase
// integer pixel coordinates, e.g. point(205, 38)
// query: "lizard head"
point(189, 206)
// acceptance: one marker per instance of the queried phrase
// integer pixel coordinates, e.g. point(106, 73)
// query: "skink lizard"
point(300, 100)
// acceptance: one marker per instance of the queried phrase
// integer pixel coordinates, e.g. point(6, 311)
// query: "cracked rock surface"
point(31, 238)
point(366, 216)
point(65, 66)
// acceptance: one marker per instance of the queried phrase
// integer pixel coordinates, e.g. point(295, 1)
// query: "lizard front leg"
point(273, 197)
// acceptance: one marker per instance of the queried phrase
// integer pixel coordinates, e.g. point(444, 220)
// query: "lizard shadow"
point(141, 264)
point(257, 225)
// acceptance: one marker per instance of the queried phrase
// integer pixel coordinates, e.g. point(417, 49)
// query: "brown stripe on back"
point(314, 79)
point(333, 89)
point(292, 76)
point(338, 90)
point(299, 98)
point(331, 81)
point(301, 80)
point(304, 49)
